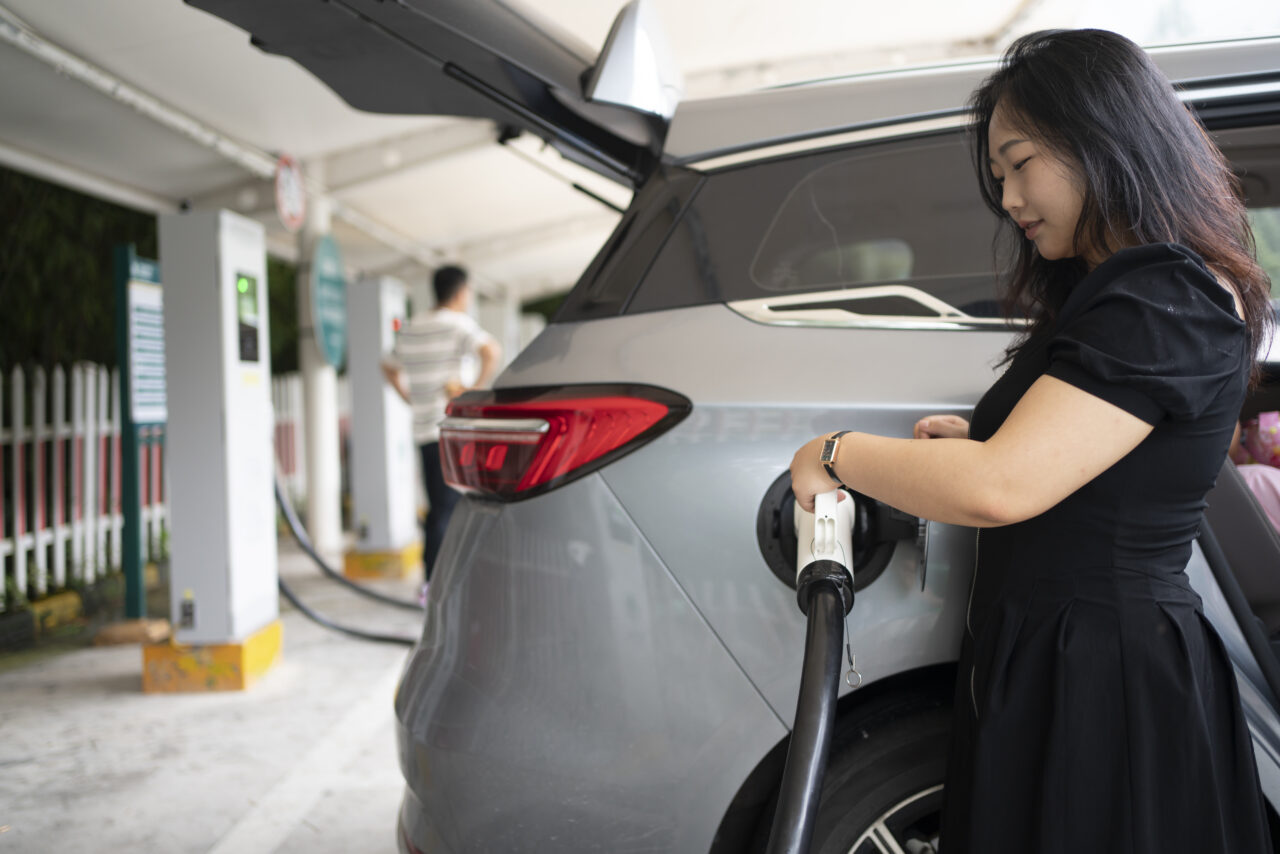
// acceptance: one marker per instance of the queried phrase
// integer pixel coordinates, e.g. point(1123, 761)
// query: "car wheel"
point(882, 793)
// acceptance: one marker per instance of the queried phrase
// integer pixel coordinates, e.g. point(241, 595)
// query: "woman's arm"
point(1057, 439)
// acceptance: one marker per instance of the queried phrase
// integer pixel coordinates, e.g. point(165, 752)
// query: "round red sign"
point(291, 195)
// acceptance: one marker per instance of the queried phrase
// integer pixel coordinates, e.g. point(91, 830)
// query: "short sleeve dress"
point(1096, 708)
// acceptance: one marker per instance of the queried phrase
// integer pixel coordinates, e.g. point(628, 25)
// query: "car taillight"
point(515, 443)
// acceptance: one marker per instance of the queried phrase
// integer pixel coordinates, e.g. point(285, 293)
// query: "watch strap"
point(829, 455)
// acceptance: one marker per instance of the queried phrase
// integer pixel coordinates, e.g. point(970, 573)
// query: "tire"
point(883, 786)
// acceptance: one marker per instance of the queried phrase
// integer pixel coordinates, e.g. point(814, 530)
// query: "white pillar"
point(382, 456)
point(319, 393)
point(500, 316)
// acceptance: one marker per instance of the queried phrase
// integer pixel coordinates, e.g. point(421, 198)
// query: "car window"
point(900, 212)
point(608, 282)
point(1266, 233)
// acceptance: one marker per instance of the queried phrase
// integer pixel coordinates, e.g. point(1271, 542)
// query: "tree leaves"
point(56, 277)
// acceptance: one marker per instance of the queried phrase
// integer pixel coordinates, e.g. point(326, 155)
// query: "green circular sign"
point(329, 301)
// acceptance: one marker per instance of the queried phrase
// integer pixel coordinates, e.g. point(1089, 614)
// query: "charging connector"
point(824, 548)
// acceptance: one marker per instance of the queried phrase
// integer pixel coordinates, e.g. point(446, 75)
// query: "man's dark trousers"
point(441, 499)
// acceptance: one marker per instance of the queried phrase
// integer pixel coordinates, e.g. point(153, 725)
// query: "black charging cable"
point(303, 540)
point(824, 591)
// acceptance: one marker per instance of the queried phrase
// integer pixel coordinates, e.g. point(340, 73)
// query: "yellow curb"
point(170, 668)
point(401, 563)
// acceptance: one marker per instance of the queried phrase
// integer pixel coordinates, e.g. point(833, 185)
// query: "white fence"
point(60, 520)
point(291, 448)
point(60, 467)
point(291, 441)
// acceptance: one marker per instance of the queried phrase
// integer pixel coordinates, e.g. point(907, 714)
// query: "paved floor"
point(302, 762)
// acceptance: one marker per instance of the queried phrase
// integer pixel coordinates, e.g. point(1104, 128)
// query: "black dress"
point(1096, 708)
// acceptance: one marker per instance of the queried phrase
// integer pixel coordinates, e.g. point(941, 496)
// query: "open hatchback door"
point(486, 59)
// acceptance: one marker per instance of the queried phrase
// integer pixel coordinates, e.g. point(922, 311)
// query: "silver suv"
point(612, 649)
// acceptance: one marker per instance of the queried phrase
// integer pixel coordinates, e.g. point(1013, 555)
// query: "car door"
point(484, 59)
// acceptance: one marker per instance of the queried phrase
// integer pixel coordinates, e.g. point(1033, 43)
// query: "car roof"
point(757, 121)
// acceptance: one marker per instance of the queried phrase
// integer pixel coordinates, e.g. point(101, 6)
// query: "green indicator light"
point(242, 285)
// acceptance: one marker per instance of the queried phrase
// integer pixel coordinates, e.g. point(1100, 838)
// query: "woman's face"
point(1041, 192)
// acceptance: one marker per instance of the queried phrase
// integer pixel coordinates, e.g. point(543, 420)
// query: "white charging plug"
point(825, 534)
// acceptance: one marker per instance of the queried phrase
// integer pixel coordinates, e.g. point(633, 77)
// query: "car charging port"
point(877, 529)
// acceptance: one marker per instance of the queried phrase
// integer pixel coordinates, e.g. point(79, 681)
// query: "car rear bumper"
point(567, 695)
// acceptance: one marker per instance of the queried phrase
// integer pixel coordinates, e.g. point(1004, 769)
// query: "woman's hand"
point(941, 427)
point(808, 477)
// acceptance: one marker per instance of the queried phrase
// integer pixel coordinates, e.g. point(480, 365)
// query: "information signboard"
point(329, 301)
point(140, 345)
point(146, 344)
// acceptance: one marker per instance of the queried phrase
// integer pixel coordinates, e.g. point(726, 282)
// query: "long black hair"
point(1148, 169)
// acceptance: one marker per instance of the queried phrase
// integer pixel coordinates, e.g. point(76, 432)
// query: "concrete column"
point(499, 315)
point(319, 392)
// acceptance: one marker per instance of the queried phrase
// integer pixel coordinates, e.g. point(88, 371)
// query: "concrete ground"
point(304, 761)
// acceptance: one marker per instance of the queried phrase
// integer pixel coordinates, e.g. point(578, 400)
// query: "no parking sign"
point(291, 195)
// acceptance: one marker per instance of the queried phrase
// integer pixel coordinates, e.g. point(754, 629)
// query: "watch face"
point(827, 447)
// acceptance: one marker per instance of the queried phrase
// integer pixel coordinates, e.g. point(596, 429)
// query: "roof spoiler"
point(637, 68)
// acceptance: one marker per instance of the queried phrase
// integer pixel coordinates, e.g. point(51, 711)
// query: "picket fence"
point(60, 519)
point(60, 508)
point(290, 438)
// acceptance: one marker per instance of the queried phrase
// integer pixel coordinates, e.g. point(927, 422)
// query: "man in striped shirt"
point(428, 371)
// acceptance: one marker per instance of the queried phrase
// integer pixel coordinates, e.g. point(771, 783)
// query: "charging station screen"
point(247, 312)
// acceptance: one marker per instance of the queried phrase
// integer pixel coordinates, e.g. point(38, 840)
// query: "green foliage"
point(56, 271)
point(163, 549)
point(282, 299)
point(56, 276)
point(546, 306)
point(15, 599)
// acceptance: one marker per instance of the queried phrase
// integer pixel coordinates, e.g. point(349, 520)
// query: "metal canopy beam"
point(253, 160)
point(389, 157)
point(539, 235)
point(84, 182)
point(353, 168)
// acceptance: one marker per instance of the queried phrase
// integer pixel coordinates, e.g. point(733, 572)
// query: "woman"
point(1096, 709)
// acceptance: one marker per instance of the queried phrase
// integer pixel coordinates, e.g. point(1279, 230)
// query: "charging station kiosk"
point(223, 573)
point(383, 456)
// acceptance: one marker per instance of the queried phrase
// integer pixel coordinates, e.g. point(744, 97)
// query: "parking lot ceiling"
point(426, 187)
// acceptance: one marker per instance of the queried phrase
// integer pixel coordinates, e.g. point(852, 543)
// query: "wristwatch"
point(828, 458)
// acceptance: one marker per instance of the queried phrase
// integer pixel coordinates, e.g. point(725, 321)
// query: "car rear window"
point(902, 212)
point(609, 281)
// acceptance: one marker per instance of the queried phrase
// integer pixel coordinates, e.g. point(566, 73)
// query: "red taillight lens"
point(513, 443)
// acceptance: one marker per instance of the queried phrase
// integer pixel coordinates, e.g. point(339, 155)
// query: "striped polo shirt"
point(432, 348)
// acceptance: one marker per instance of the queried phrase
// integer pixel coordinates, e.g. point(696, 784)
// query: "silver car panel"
point(894, 626)
point(682, 349)
point(714, 127)
point(566, 692)
point(746, 423)
point(1259, 713)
